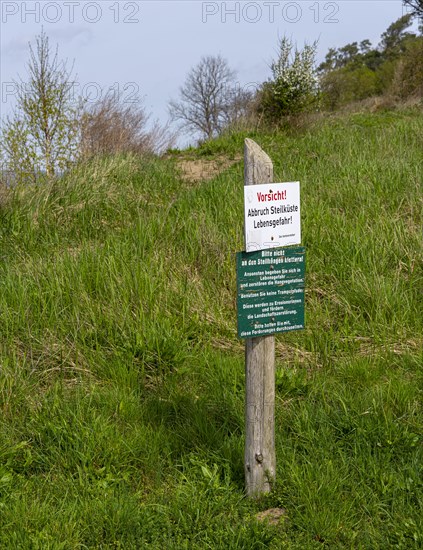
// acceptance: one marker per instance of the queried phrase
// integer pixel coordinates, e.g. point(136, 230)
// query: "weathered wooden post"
point(260, 457)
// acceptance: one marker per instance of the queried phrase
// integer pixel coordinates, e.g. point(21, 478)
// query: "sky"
point(144, 49)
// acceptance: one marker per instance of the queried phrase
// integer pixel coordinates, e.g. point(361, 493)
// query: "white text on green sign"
point(270, 291)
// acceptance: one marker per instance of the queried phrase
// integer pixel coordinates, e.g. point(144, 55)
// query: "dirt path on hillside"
point(196, 170)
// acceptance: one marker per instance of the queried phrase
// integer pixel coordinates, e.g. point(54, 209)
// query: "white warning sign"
point(272, 215)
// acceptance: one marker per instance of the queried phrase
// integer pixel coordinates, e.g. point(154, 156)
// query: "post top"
point(258, 167)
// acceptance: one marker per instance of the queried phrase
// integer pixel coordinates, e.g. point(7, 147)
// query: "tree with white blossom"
point(294, 84)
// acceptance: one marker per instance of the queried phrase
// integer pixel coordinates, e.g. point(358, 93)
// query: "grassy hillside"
point(121, 377)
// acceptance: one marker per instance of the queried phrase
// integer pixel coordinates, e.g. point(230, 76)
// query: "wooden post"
point(260, 457)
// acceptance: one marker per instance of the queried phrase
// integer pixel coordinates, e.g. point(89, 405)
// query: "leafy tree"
point(294, 85)
point(209, 99)
point(330, 63)
point(353, 56)
point(395, 37)
point(372, 59)
point(42, 135)
point(357, 71)
point(365, 46)
point(349, 53)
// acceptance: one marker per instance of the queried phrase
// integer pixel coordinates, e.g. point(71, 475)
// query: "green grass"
point(122, 380)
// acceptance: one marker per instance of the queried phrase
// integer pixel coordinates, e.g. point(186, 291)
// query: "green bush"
point(344, 85)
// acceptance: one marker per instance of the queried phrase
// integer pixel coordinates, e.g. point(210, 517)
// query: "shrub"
point(294, 85)
point(345, 85)
point(111, 126)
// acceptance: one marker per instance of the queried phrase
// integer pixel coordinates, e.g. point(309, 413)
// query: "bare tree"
point(416, 11)
point(111, 126)
point(416, 6)
point(209, 99)
point(42, 136)
point(238, 104)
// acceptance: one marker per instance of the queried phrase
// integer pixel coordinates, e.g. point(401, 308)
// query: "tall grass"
point(121, 377)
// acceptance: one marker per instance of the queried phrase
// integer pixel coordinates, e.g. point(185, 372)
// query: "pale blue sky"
point(150, 46)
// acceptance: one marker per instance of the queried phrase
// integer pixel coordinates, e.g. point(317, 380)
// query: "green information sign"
point(270, 291)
